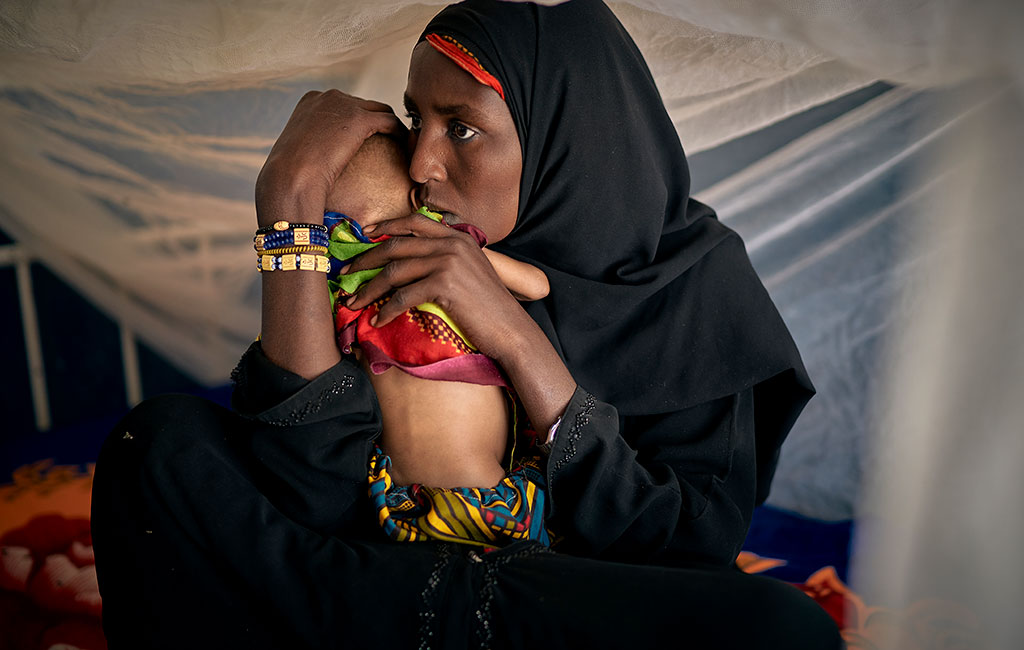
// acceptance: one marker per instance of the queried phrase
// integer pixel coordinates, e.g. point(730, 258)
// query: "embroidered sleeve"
point(268, 393)
point(667, 488)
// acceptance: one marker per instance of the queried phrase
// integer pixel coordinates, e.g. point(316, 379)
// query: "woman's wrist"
point(297, 329)
point(297, 325)
point(541, 380)
point(295, 197)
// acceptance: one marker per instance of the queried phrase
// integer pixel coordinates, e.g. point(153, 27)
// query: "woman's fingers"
point(398, 248)
point(335, 100)
point(424, 261)
point(381, 119)
point(387, 123)
point(391, 277)
point(404, 299)
point(323, 133)
point(439, 263)
point(418, 269)
point(410, 282)
point(376, 107)
point(371, 104)
point(414, 224)
point(362, 116)
point(414, 236)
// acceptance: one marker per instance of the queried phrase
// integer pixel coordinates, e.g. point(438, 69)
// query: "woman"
point(658, 363)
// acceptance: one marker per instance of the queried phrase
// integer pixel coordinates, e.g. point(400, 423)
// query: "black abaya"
point(254, 528)
point(216, 530)
point(654, 306)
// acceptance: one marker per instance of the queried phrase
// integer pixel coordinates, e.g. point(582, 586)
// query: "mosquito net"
point(132, 132)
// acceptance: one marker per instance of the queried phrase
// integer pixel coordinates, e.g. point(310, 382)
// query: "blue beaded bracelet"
point(297, 237)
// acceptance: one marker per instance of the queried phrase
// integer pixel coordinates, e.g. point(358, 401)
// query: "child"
point(427, 377)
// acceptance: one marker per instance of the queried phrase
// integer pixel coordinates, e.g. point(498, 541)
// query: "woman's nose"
point(427, 163)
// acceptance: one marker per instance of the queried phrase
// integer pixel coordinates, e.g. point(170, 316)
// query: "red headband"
point(464, 59)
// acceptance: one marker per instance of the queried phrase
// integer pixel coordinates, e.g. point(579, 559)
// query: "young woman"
point(658, 371)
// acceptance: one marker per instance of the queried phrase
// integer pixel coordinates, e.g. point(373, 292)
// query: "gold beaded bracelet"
point(317, 250)
point(293, 262)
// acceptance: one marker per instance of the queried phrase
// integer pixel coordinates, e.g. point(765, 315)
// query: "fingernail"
point(351, 299)
point(369, 229)
point(343, 270)
point(373, 321)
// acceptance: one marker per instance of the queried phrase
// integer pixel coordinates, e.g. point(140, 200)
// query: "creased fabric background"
point(149, 122)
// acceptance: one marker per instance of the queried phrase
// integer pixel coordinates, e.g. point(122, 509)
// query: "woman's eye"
point(414, 121)
point(460, 131)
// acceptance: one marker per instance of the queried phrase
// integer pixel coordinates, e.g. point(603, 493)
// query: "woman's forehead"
point(438, 85)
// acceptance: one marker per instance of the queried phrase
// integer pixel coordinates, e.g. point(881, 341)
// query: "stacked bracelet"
point(281, 226)
point(286, 246)
point(293, 237)
point(316, 250)
point(293, 262)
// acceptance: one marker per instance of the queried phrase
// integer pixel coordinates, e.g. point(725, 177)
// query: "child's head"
point(375, 185)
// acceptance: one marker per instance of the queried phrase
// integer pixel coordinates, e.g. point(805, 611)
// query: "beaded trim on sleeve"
point(314, 405)
point(581, 420)
point(239, 377)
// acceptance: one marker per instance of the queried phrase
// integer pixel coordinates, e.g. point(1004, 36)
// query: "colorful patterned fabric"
point(511, 511)
point(423, 342)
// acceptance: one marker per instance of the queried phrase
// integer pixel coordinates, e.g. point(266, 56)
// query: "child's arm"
point(524, 281)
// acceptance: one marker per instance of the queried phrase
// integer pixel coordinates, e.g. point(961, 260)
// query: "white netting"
point(132, 132)
point(149, 122)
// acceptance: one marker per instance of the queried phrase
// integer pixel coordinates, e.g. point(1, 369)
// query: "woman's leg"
point(563, 602)
point(191, 553)
point(198, 547)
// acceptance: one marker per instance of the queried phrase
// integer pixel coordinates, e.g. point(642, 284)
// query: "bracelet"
point(281, 226)
point(295, 237)
point(549, 441)
point(293, 262)
point(552, 431)
point(317, 250)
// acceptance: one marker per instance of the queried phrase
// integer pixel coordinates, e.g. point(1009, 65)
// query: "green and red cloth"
point(424, 341)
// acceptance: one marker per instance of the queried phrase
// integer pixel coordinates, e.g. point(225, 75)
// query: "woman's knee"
point(159, 432)
point(788, 618)
point(170, 418)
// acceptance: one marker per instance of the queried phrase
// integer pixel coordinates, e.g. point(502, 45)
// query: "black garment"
point(261, 524)
point(677, 489)
point(214, 530)
point(642, 276)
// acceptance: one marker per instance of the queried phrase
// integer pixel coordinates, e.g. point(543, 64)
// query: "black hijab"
point(654, 306)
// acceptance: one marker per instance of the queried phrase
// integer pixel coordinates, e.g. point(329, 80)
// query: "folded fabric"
point(424, 341)
point(511, 511)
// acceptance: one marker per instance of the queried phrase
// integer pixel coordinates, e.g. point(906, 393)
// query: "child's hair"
point(377, 179)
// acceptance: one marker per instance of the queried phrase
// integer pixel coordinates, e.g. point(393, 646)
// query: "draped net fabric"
point(828, 221)
point(131, 135)
point(149, 122)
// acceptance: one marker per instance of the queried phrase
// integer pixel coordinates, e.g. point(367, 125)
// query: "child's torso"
point(442, 433)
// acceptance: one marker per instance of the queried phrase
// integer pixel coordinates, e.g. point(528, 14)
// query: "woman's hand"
point(425, 261)
point(323, 133)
